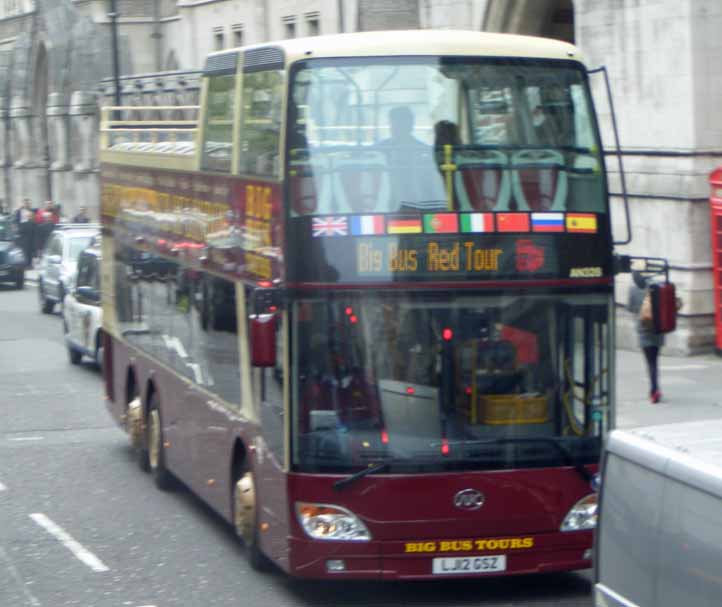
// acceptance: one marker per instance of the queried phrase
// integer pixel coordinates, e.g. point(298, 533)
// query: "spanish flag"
point(582, 222)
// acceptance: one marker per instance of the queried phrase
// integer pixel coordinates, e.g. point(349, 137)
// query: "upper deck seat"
point(539, 180)
point(360, 181)
point(482, 180)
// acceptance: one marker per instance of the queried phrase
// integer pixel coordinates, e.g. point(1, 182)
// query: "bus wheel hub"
point(244, 511)
point(134, 422)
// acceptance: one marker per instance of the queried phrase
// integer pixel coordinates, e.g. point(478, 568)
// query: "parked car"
point(59, 260)
point(82, 312)
point(659, 534)
point(12, 259)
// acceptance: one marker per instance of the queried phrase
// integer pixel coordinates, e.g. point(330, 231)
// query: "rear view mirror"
point(664, 307)
point(263, 340)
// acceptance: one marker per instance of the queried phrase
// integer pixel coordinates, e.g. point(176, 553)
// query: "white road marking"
point(682, 367)
point(3, 487)
point(79, 551)
point(18, 579)
point(23, 438)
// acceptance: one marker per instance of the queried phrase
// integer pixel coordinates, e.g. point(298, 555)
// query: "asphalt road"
point(81, 525)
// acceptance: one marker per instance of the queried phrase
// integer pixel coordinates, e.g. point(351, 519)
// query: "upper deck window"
point(218, 139)
point(411, 134)
point(261, 123)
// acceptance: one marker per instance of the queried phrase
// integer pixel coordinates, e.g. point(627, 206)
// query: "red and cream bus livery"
point(360, 301)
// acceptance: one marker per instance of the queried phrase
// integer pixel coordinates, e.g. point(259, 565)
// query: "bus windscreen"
point(433, 134)
point(428, 383)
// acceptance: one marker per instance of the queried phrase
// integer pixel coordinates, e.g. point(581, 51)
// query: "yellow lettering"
point(527, 542)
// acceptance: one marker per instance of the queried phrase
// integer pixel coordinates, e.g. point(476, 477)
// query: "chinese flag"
point(512, 222)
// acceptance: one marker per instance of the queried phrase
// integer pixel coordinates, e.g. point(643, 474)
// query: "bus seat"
point(539, 180)
point(308, 184)
point(360, 182)
point(482, 180)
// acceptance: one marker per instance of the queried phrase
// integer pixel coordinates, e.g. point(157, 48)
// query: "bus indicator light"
point(384, 437)
point(410, 391)
point(447, 334)
point(348, 311)
point(353, 319)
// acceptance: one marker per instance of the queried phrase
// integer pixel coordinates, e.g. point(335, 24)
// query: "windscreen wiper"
point(567, 456)
point(349, 480)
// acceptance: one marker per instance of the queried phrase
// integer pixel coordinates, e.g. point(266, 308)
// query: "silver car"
point(59, 261)
point(659, 536)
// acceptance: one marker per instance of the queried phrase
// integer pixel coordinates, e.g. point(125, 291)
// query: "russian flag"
point(363, 225)
point(547, 222)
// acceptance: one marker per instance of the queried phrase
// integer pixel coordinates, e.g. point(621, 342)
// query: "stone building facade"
point(661, 57)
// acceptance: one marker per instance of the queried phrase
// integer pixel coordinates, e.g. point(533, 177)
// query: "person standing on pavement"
point(81, 216)
point(25, 221)
point(45, 220)
point(650, 342)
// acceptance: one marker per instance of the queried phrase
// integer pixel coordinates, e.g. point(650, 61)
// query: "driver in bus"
point(415, 181)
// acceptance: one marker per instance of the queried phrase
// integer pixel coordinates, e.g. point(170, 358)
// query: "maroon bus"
point(360, 301)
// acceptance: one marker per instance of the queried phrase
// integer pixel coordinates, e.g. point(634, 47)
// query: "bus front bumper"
point(438, 559)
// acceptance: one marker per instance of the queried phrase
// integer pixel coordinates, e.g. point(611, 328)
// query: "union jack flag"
point(330, 226)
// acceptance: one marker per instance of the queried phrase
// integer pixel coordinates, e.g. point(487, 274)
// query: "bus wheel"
point(244, 521)
point(156, 454)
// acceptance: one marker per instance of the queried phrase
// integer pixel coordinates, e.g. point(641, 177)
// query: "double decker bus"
point(360, 301)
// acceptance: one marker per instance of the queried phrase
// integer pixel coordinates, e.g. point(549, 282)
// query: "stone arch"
point(547, 18)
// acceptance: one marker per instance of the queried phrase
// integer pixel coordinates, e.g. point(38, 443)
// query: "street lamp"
point(113, 16)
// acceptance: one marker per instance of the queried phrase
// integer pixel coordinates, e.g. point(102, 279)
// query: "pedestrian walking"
point(640, 304)
point(45, 219)
point(25, 221)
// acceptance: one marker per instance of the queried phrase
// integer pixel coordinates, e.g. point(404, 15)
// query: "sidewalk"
point(691, 389)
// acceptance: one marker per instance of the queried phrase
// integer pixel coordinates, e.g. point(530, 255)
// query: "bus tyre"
point(245, 520)
point(156, 452)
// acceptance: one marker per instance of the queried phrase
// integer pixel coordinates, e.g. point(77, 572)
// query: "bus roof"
point(419, 43)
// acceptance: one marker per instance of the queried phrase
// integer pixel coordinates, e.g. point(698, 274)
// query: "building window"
point(238, 34)
point(218, 38)
point(313, 24)
point(289, 27)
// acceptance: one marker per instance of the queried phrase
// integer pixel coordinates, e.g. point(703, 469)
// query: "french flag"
point(547, 222)
point(364, 225)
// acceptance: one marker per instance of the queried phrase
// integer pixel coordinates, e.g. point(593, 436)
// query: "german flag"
point(582, 222)
point(403, 226)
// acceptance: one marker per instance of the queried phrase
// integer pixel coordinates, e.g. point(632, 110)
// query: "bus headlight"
point(327, 522)
point(582, 516)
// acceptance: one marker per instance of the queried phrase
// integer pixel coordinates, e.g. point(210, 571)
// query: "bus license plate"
point(469, 564)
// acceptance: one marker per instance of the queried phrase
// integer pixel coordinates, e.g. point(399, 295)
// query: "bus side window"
point(261, 119)
point(218, 132)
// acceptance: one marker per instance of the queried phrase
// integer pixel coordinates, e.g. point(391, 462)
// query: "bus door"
point(268, 388)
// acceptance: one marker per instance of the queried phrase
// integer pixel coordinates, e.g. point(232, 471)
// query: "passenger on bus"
point(415, 181)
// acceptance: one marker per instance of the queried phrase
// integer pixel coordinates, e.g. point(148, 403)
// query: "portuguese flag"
point(441, 223)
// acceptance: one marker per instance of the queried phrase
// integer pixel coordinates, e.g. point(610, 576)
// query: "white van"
point(659, 535)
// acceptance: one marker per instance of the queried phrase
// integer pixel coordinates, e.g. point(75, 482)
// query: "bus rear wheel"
point(245, 520)
point(163, 478)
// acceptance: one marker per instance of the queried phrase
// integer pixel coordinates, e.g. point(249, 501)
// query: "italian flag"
point(477, 222)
